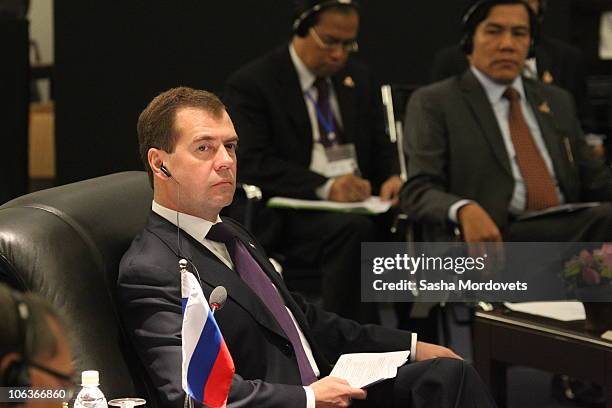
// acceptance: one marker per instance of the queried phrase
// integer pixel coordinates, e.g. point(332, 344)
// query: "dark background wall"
point(14, 94)
point(586, 22)
point(113, 57)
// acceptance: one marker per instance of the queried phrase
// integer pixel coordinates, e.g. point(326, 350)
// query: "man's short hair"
point(156, 122)
point(31, 337)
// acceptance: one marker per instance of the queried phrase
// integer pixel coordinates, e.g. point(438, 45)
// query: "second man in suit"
point(490, 145)
point(311, 126)
point(553, 62)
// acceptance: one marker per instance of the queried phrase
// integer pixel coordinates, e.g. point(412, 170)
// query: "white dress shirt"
point(501, 108)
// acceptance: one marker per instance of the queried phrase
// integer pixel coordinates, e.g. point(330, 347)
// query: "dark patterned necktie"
point(328, 121)
point(253, 275)
point(541, 191)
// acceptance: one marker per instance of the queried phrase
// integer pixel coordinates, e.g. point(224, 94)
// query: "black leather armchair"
point(65, 243)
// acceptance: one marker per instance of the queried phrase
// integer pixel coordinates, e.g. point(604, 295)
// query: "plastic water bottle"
point(90, 395)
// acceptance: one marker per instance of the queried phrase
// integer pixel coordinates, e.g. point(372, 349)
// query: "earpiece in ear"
point(165, 170)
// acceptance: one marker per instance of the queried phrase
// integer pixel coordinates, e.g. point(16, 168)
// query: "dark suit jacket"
point(266, 103)
point(564, 62)
point(455, 150)
point(266, 368)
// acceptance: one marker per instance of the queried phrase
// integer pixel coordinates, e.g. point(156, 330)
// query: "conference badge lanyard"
point(341, 159)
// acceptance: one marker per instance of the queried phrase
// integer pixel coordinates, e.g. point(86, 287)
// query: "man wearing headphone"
point(311, 126)
point(554, 62)
point(489, 146)
point(34, 350)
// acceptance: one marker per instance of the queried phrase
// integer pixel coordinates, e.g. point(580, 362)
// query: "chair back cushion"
point(65, 243)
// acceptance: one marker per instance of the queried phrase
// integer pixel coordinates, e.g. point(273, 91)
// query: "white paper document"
point(373, 205)
point(563, 311)
point(364, 369)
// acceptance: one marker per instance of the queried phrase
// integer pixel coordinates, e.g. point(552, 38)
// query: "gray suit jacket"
point(455, 151)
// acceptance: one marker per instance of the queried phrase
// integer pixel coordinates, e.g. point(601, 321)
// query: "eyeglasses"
point(69, 383)
point(332, 44)
point(60, 376)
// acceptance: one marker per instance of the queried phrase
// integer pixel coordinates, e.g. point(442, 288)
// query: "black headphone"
point(305, 19)
point(164, 170)
point(472, 18)
point(542, 9)
point(16, 373)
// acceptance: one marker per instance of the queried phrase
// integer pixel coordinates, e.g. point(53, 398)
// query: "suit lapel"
point(213, 272)
point(278, 282)
point(274, 276)
point(545, 119)
point(485, 117)
point(346, 102)
point(293, 100)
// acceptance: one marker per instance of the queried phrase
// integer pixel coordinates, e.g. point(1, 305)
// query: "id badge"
point(341, 160)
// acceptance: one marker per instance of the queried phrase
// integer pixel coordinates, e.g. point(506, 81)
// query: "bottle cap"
point(90, 377)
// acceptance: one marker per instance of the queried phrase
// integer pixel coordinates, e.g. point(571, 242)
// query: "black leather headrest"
point(65, 243)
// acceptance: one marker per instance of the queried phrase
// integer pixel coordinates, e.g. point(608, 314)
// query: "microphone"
point(217, 298)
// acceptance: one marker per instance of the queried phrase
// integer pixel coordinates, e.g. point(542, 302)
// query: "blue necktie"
point(253, 275)
point(329, 119)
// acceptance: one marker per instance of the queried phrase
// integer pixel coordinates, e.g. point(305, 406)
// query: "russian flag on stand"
point(207, 364)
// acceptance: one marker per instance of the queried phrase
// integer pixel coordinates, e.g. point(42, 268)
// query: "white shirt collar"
point(305, 77)
point(194, 226)
point(494, 90)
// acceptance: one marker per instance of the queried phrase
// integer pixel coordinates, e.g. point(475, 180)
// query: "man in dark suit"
point(280, 344)
point(489, 145)
point(300, 109)
point(555, 62)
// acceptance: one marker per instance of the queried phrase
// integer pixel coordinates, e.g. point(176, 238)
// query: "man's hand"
point(390, 189)
point(350, 188)
point(481, 234)
point(335, 392)
point(477, 225)
point(426, 351)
